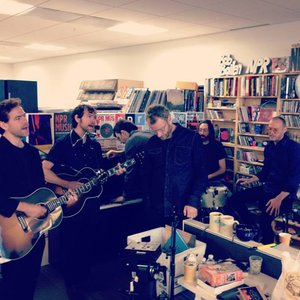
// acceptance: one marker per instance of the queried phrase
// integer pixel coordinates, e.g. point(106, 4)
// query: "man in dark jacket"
point(280, 177)
point(175, 175)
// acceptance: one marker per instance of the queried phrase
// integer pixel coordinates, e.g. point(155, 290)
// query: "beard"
point(204, 138)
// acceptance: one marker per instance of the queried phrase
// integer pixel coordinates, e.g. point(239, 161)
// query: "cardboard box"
point(163, 284)
point(220, 274)
point(157, 236)
point(183, 85)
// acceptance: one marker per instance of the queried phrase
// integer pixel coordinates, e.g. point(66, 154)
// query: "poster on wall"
point(41, 130)
point(62, 124)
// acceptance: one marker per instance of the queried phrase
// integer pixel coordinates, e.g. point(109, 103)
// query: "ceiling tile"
point(75, 6)
point(158, 7)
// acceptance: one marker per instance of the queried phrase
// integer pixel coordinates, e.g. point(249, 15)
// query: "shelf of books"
point(220, 107)
point(241, 107)
point(289, 103)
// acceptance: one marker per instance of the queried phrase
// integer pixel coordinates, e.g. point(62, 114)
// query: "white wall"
point(159, 65)
point(6, 71)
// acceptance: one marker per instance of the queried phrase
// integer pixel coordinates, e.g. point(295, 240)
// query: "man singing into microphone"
point(76, 151)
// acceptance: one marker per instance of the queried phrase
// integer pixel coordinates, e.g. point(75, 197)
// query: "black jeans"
point(20, 276)
point(237, 206)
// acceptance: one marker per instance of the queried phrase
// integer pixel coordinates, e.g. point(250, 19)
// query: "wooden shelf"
point(222, 108)
point(243, 86)
point(227, 144)
point(254, 134)
point(256, 163)
point(222, 120)
point(253, 148)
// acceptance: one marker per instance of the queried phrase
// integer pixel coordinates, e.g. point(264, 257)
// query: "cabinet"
point(25, 90)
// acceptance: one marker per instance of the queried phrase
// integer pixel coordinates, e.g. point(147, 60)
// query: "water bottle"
point(210, 260)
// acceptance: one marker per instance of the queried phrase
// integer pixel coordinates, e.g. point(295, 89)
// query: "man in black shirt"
point(20, 175)
point(214, 152)
point(280, 176)
point(79, 235)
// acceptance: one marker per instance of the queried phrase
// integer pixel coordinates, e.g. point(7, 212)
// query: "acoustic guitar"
point(19, 233)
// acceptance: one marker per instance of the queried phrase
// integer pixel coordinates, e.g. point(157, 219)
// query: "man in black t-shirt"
point(21, 174)
point(214, 150)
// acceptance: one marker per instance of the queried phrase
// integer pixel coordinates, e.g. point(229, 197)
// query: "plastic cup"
point(285, 238)
point(190, 272)
point(255, 264)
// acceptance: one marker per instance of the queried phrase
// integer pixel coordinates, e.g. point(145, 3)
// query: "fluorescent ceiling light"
point(137, 29)
point(11, 7)
point(44, 47)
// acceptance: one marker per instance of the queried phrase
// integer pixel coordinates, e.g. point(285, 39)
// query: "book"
point(230, 294)
point(175, 99)
point(280, 64)
point(251, 292)
point(265, 114)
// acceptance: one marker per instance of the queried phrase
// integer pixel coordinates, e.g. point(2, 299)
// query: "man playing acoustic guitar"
point(20, 175)
point(76, 152)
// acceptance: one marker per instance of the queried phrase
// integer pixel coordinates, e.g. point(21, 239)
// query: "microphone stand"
point(173, 253)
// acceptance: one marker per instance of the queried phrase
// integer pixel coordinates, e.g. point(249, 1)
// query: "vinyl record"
point(106, 130)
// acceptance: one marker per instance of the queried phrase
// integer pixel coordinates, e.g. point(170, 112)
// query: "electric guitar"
point(19, 233)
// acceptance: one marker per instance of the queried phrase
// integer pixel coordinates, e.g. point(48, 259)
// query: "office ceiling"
point(80, 25)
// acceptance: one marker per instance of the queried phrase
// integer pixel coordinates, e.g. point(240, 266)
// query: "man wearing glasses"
point(280, 177)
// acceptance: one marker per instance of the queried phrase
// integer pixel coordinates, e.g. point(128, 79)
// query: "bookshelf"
point(244, 104)
point(289, 103)
point(221, 95)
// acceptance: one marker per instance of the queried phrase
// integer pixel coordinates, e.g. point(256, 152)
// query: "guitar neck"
point(126, 164)
point(100, 177)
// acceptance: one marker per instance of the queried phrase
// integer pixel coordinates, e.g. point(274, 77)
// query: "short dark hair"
point(6, 106)
point(124, 125)
point(79, 111)
point(211, 130)
point(157, 111)
point(281, 119)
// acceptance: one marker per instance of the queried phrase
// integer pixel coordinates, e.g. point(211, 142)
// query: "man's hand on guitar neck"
point(72, 197)
point(72, 185)
point(32, 210)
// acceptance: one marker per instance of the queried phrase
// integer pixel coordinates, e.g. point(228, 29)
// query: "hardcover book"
point(266, 114)
point(280, 64)
point(251, 293)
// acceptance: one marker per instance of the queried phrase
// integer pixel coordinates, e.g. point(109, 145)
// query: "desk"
point(224, 247)
point(263, 281)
